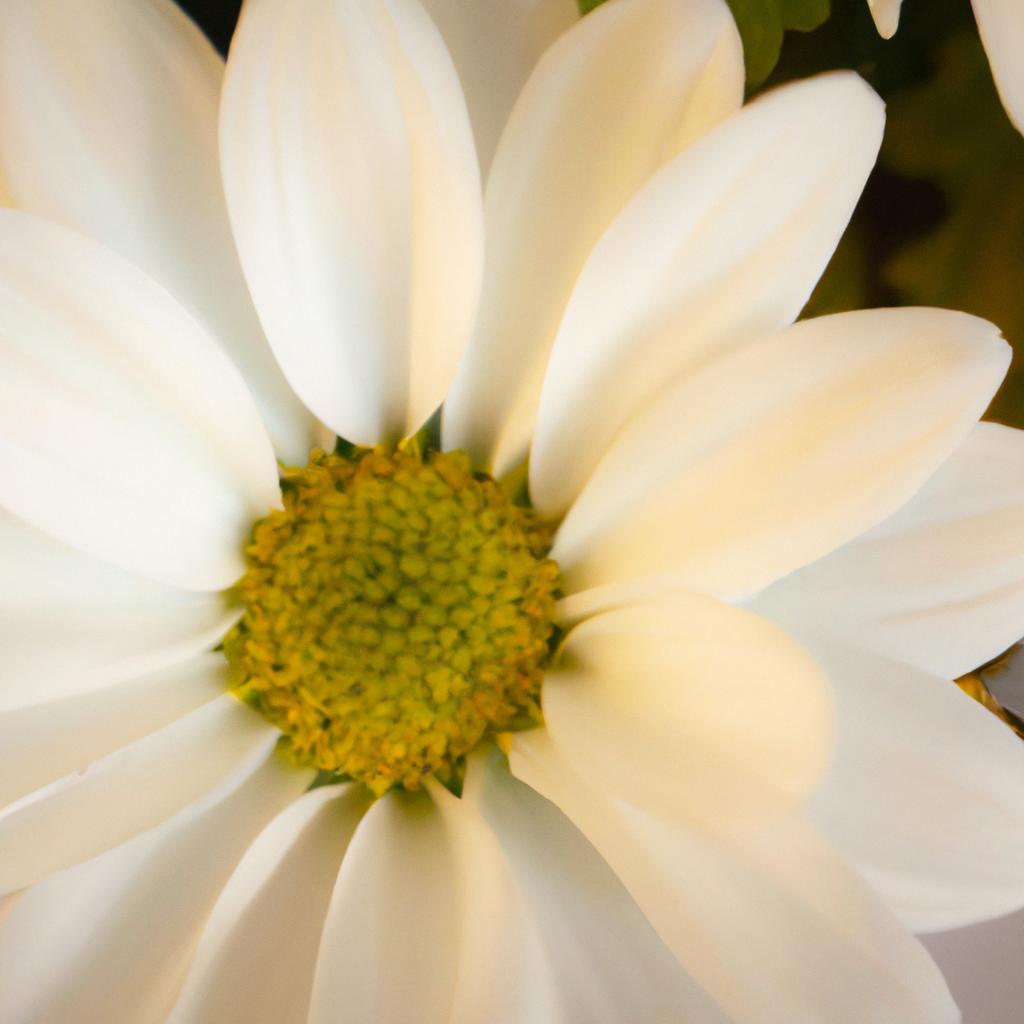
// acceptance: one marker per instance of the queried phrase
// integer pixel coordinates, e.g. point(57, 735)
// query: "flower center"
point(396, 610)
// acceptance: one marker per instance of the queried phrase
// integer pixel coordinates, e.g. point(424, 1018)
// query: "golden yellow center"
point(397, 610)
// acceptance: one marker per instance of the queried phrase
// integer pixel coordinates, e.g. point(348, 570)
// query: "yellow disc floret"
point(396, 611)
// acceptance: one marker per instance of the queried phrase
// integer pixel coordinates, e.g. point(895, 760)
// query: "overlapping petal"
point(940, 584)
point(495, 44)
point(131, 790)
point(119, 141)
point(256, 957)
point(595, 956)
point(70, 624)
point(768, 919)
point(110, 939)
point(926, 792)
point(124, 429)
point(354, 194)
point(391, 940)
point(697, 710)
point(42, 742)
point(614, 98)
point(699, 263)
point(781, 452)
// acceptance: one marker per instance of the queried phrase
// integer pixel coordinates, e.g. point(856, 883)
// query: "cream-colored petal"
point(108, 124)
point(124, 430)
point(700, 262)
point(887, 16)
point(613, 99)
point(390, 941)
point(70, 624)
point(110, 939)
point(255, 960)
point(41, 742)
point(585, 951)
point(781, 452)
point(495, 44)
point(130, 791)
point(940, 584)
point(354, 194)
point(702, 711)
point(926, 792)
point(1001, 24)
point(769, 920)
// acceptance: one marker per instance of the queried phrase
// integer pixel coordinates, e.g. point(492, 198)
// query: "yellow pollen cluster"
point(397, 610)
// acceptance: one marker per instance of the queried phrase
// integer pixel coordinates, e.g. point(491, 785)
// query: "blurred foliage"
point(762, 24)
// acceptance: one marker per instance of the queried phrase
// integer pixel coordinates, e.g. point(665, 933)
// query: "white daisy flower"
point(1001, 24)
point(772, 546)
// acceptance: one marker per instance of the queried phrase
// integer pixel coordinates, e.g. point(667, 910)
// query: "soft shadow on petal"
point(614, 98)
point(70, 624)
point(42, 742)
point(940, 584)
point(391, 937)
point(702, 261)
point(703, 711)
point(131, 790)
point(495, 44)
point(255, 960)
point(354, 194)
point(110, 939)
point(124, 429)
point(585, 950)
point(780, 452)
point(108, 124)
point(1001, 23)
point(926, 792)
point(769, 920)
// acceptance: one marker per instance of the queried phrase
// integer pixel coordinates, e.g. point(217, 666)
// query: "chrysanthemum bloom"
point(674, 742)
point(1001, 24)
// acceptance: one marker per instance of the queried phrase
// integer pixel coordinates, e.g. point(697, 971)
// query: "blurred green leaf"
point(762, 24)
point(954, 131)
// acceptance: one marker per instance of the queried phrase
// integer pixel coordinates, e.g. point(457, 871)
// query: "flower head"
point(314, 712)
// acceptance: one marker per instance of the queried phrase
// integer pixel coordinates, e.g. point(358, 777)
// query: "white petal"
point(255, 960)
point(42, 742)
point(769, 921)
point(940, 584)
point(109, 940)
point(699, 710)
point(495, 44)
point(779, 453)
point(594, 955)
point(701, 262)
point(70, 624)
point(354, 194)
point(124, 430)
point(1001, 23)
point(108, 124)
point(614, 98)
point(129, 791)
point(926, 793)
point(887, 16)
point(390, 942)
